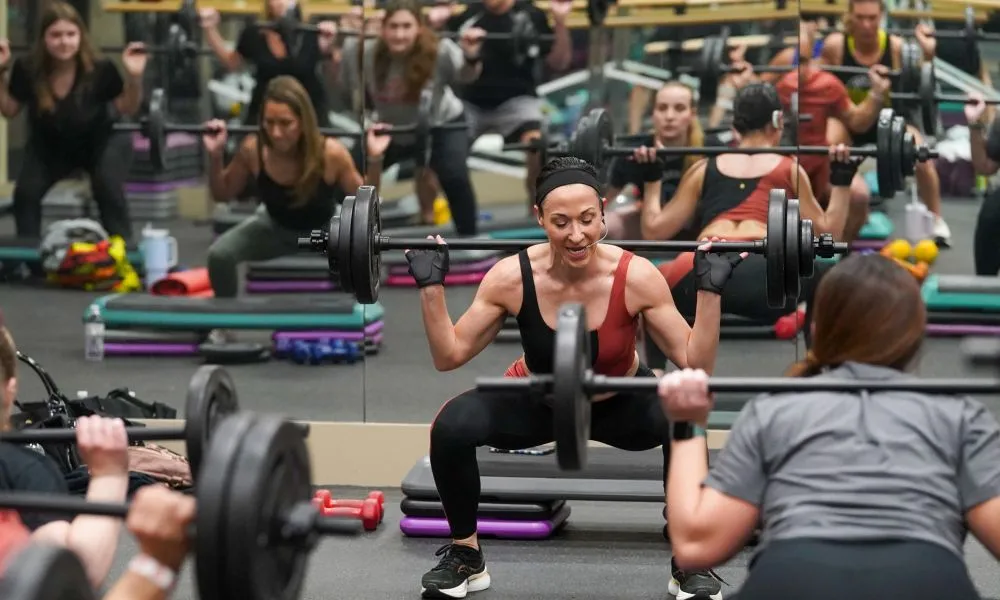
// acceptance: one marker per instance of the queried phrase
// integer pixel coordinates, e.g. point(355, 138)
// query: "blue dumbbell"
point(322, 352)
point(301, 352)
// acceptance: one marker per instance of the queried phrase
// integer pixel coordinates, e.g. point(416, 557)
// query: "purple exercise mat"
point(174, 140)
point(158, 188)
point(270, 287)
point(868, 244)
point(479, 266)
point(370, 330)
point(154, 349)
point(511, 530)
point(959, 329)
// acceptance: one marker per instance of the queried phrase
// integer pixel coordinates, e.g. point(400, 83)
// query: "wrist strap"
point(150, 568)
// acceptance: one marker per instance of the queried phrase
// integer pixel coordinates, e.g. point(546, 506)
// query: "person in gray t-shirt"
point(858, 495)
point(404, 72)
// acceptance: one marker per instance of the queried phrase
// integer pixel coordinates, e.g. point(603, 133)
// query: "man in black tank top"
point(864, 43)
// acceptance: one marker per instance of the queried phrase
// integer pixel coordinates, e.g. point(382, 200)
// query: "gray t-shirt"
point(388, 99)
point(859, 466)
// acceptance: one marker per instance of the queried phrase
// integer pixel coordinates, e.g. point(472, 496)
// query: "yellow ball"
point(900, 249)
point(926, 251)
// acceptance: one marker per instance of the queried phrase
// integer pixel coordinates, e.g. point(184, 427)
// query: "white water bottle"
point(93, 335)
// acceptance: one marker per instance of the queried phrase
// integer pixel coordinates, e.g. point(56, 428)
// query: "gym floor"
point(605, 549)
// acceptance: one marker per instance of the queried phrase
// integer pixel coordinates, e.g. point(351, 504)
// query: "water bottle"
point(93, 335)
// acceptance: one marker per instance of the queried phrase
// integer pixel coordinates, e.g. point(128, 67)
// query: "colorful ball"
point(900, 249)
point(926, 251)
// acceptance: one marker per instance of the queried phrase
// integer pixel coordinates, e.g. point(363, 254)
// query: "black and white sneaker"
point(462, 570)
point(694, 585)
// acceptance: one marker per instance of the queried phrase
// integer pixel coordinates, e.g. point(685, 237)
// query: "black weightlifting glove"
point(713, 270)
point(841, 173)
point(428, 267)
point(652, 171)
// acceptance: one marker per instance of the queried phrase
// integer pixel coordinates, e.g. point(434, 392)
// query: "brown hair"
point(422, 60)
point(695, 134)
point(41, 60)
point(867, 309)
point(287, 90)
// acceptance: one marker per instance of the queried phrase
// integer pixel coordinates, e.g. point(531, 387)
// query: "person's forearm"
point(217, 177)
point(373, 171)
point(652, 210)
point(977, 144)
point(688, 470)
point(7, 103)
point(132, 95)
point(561, 54)
point(835, 218)
point(132, 586)
point(864, 116)
point(218, 45)
point(440, 330)
point(95, 539)
point(703, 342)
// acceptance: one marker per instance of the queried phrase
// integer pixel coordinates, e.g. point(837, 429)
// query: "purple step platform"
point(370, 331)
point(868, 244)
point(174, 140)
point(502, 529)
point(961, 330)
point(173, 349)
point(449, 279)
point(158, 188)
point(290, 286)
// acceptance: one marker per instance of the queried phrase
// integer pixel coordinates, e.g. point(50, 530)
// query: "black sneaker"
point(462, 570)
point(696, 585)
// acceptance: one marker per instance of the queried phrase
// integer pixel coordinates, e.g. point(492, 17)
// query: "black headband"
point(565, 177)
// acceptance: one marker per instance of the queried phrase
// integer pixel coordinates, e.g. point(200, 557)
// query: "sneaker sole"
point(674, 589)
point(476, 583)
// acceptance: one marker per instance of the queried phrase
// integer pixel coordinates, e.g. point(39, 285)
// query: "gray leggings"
point(255, 239)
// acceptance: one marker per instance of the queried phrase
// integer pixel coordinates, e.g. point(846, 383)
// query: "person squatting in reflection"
point(616, 288)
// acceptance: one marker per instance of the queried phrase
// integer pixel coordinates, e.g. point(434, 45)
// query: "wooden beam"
point(146, 6)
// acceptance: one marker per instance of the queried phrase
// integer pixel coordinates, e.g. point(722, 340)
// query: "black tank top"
point(859, 85)
point(721, 193)
point(278, 200)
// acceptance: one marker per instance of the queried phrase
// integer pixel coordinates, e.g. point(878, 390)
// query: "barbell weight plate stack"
point(928, 103)
point(909, 154)
point(897, 140)
point(777, 207)
point(883, 146)
point(344, 256)
point(331, 243)
point(155, 132)
point(45, 571)
point(807, 250)
point(792, 285)
point(211, 396)
point(570, 405)
point(366, 229)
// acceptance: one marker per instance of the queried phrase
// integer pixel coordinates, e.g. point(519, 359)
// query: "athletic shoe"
point(942, 233)
point(462, 570)
point(696, 585)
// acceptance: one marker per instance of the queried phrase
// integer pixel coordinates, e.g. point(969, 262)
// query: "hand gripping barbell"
point(211, 396)
point(255, 526)
point(154, 126)
point(572, 383)
point(353, 243)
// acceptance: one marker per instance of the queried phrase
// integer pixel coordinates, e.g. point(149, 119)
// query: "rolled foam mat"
point(289, 286)
point(188, 349)
point(495, 528)
point(370, 330)
point(183, 283)
point(257, 312)
point(509, 511)
point(939, 300)
point(479, 266)
point(968, 284)
point(449, 279)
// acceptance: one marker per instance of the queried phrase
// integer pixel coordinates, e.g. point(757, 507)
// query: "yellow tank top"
point(858, 86)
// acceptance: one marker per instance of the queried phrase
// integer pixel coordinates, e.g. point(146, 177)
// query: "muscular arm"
point(225, 181)
point(339, 161)
point(561, 54)
point(686, 347)
point(663, 223)
point(861, 117)
point(833, 50)
point(130, 100)
point(453, 345)
point(94, 539)
point(834, 219)
point(230, 59)
point(785, 57)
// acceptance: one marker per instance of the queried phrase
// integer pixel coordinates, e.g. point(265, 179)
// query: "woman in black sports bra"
point(301, 176)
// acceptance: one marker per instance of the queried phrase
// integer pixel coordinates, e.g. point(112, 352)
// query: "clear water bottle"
point(93, 335)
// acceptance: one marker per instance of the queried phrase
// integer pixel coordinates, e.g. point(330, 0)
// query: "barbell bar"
point(255, 525)
point(211, 396)
point(353, 243)
point(572, 383)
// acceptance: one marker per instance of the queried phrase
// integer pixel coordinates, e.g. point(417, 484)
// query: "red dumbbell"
point(328, 501)
point(368, 513)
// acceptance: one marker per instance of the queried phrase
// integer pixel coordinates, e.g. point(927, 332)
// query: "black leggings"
point(986, 247)
point(449, 157)
point(824, 570)
point(106, 167)
point(744, 295)
point(512, 421)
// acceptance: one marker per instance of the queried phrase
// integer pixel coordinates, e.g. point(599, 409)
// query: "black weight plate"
point(909, 154)
point(928, 106)
point(346, 281)
point(45, 572)
point(333, 248)
point(237, 353)
point(523, 37)
point(792, 241)
point(709, 61)
point(215, 540)
point(570, 403)
point(366, 266)
point(273, 470)
point(883, 158)
point(777, 207)
point(211, 396)
point(807, 249)
point(155, 129)
point(896, 138)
